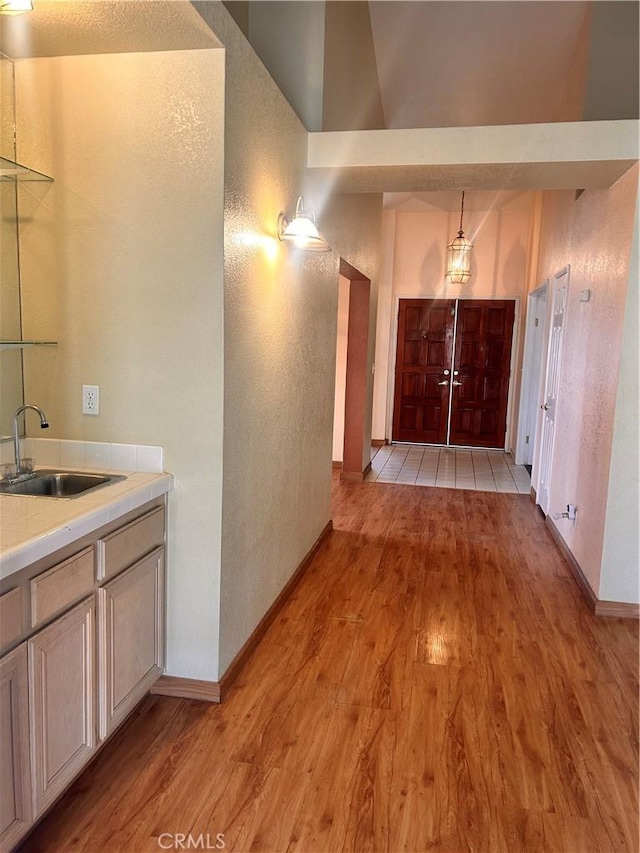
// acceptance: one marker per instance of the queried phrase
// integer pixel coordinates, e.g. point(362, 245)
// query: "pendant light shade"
point(302, 231)
point(459, 255)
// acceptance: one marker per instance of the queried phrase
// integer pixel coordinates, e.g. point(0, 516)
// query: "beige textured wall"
point(415, 258)
point(593, 235)
point(620, 574)
point(280, 340)
point(280, 343)
point(8, 112)
point(122, 264)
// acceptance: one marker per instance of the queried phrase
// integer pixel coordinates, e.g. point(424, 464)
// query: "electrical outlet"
point(90, 400)
point(571, 513)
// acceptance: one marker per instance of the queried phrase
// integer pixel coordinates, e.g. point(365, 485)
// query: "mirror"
point(11, 385)
point(11, 395)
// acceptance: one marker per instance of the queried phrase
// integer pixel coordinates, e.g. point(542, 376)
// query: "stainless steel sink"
point(59, 484)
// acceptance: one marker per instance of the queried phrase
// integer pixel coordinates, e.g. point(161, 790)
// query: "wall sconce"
point(302, 231)
point(15, 7)
point(459, 260)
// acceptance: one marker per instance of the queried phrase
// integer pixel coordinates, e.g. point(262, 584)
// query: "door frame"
point(530, 390)
point(551, 311)
point(393, 349)
point(356, 450)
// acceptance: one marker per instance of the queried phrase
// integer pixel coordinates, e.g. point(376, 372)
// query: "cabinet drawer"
point(11, 609)
point(61, 586)
point(127, 545)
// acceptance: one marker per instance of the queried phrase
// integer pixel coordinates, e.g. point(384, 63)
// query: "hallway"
point(436, 682)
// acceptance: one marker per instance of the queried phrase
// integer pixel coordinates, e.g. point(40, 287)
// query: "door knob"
point(544, 407)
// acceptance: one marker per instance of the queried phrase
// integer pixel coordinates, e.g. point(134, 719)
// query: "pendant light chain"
point(459, 255)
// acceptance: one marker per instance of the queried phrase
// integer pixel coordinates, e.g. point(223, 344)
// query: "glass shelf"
point(23, 344)
point(10, 171)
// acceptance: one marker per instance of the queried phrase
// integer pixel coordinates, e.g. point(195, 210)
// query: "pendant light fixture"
point(302, 231)
point(459, 259)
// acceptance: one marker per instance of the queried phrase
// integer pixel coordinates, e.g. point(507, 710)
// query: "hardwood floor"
point(436, 682)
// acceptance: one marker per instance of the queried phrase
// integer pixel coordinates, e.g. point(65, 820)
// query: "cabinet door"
point(62, 684)
point(131, 631)
point(15, 779)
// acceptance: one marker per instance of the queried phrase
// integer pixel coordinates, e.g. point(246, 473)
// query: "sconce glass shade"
point(15, 7)
point(459, 255)
point(459, 260)
point(302, 231)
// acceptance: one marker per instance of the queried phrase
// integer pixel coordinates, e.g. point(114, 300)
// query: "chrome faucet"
point(44, 424)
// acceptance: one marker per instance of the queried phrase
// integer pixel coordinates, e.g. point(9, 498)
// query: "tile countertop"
point(32, 527)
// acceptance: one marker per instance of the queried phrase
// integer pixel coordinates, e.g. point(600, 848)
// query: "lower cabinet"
point(131, 629)
point(62, 688)
point(89, 629)
point(15, 765)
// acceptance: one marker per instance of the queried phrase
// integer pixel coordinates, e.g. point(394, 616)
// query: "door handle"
point(445, 382)
point(455, 382)
point(544, 407)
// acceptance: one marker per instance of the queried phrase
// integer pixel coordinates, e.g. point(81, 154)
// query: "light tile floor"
point(449, 468)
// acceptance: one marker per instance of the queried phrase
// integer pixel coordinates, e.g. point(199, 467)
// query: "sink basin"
point(59, 484)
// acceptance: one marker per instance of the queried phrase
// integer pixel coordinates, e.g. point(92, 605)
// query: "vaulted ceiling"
point(401, 64)
point(474, 63)
point(420, 63)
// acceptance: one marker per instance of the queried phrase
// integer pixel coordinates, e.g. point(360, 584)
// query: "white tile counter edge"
point(33, 527)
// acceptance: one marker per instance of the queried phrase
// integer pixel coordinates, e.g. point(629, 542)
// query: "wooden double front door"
point(452, 371)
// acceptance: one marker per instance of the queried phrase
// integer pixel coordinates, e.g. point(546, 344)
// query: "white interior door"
point(531, 375)
point(552, 384)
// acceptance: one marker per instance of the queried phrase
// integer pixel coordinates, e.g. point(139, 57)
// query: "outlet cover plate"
point(90, 400)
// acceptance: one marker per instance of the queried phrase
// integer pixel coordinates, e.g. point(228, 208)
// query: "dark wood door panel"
point(480, 423)
point(424, 353)
point(482, 361)
point(411, 384)
point(425, 343)
point(469, 317)
point(495, 353)
point(411, 354)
